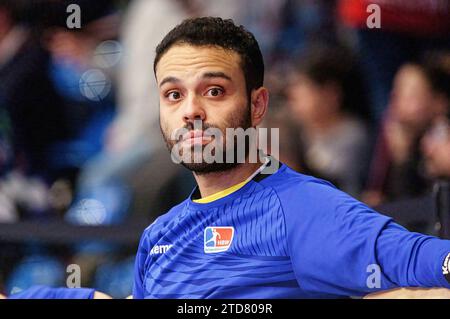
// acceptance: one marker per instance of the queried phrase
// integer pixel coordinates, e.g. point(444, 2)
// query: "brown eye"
point(174, 95)
point(215, 92)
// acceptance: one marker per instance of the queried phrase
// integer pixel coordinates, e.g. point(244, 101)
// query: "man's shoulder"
point(286, 180)
point(311, 201)
point(298, 192)
point(161, 220)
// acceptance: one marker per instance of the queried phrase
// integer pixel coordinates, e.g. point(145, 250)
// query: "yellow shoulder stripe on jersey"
point(221, 194)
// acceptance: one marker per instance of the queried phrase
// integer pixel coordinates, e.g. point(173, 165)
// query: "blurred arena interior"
point(83, 166)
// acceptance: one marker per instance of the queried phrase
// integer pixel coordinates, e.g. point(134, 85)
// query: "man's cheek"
point(165, 128)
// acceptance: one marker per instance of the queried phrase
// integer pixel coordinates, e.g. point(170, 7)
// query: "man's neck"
point(212, 183)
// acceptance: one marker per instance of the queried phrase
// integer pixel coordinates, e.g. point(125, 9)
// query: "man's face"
point(201, 83)
point(436, 149)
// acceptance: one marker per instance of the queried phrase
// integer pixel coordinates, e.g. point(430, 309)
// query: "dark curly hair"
point(212, 31)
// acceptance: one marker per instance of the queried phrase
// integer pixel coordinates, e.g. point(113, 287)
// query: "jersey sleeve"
point(341, 247)
point(139, 268)
point(42, 292)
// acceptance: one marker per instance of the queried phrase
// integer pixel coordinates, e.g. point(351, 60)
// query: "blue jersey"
point(43, 292)
point(286, 235)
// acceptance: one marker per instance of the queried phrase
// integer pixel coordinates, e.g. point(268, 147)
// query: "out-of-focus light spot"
point(108, 54)
point(95, 85)
point(91, 212)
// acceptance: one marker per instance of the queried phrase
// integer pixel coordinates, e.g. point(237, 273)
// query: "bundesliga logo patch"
point(218, 239)
point(446, 268)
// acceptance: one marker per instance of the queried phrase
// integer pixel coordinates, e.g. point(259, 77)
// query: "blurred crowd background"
point(367, 109)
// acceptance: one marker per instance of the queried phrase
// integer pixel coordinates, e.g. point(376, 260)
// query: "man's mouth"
point(195, 137)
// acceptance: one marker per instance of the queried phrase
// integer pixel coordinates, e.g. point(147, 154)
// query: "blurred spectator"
point(418, 96)
point(422, 213)
point(56, 98)
point(52, 125)
point(27, 98)
point(82, 77)
point(436, 149)
point(408, 29)
point(29, 117)
point(325, 101)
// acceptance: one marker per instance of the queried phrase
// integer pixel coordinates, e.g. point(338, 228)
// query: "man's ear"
point(259, 104)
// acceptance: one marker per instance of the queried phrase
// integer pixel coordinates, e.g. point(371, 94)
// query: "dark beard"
point(208, 168)
point(203, 168)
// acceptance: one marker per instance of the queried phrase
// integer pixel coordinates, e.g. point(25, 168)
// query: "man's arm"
point(341, 247)
point(42, 292)
point(412, 259)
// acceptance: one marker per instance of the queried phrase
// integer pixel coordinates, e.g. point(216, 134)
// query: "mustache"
point(204, 126)
point(189, 127)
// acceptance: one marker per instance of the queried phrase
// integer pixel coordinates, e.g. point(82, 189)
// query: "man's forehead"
point(187, 60)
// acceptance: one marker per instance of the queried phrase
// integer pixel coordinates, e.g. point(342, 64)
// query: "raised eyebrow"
point(209, 75)
point(169, 79)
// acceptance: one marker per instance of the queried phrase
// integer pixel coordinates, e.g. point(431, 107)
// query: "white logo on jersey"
point(446, 266)
point(160, 249)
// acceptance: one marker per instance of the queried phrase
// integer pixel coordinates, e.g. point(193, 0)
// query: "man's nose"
point(193, 110)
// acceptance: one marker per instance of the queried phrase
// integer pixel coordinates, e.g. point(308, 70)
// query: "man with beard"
point(275, 234)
